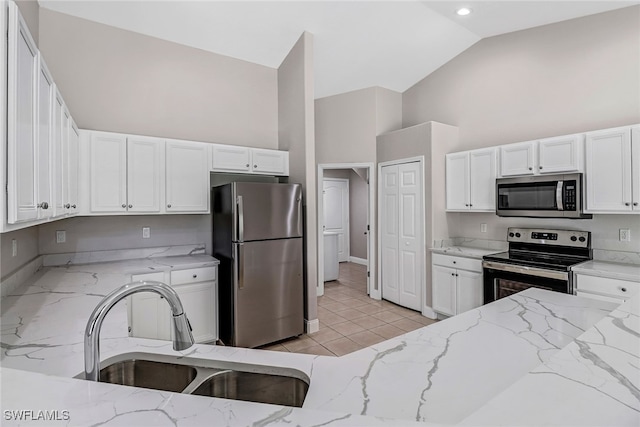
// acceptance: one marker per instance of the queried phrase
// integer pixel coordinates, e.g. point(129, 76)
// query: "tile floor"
point(350, 320)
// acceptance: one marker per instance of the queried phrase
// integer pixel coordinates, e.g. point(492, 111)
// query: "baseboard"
point(311, 326)
point(428, 312)
point(357, 260)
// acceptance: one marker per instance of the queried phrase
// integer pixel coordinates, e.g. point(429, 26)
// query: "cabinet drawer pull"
point(195, 276)
point(454, 262)
point(623, 289)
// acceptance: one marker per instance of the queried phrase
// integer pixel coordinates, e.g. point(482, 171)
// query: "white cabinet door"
point(108, 164)
point(457, 181)
point(149, 315)
point(444, 289)
point(59, 180)
point(561, 154)
point(635, 167)
point(469, 290)
point(389, 224)
point(22, 75)
point(46, 93)
point(71, 147)
point(270, 162)
point(187, 177)
point(482, 180)
point(517, 159)
point(608, 171)
point(144, 174)
point(229, 158)
point(199, 302)
point(411, 254)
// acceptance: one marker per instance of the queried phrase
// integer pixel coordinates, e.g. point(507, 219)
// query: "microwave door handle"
point(559, 193)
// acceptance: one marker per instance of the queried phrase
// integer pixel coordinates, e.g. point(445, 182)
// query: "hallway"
point(350, 320)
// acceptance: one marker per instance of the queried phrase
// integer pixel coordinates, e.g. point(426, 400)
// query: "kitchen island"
point(519, 350)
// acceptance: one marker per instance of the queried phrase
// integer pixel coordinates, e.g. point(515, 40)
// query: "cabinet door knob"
point(453, 274)
point(168, 206)
point(634, 204)
point(623, 289)
point(540, 167)
point(124, 206)
point(530, 168)
point(454, 262)
point(456, 274)
point(73, 206)
point(195, 275)
point(255, 166)
point(43, 205)
point(130, 206)
point(470, 205)
point(68, 205)
point(466, 204)
point(627, 204)
point(247, 165)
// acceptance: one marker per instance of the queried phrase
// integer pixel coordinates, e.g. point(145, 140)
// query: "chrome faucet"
point(182, 337)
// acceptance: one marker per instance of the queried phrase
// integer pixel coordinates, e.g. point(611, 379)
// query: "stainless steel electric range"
point(537, 258)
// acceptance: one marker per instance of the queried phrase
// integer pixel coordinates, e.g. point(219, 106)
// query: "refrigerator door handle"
point(240, 218)
point(238, 273)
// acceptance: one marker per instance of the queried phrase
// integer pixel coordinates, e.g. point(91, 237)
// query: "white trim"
point(373, 293)
point(426, 310)
point(357, 260)
point(311, 326)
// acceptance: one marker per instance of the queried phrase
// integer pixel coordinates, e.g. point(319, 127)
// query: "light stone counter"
point(612, 270)
point(464, 251)
point(436, 375)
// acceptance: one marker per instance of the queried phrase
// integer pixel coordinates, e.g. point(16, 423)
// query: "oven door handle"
point(559, 193)
point(530, 271)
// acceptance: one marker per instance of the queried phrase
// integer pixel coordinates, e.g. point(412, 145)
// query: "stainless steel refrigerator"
point(257, 236)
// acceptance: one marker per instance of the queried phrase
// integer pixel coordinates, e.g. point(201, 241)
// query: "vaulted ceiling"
point(357, 44)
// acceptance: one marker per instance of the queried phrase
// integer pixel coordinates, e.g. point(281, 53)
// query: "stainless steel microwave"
point(540, 196)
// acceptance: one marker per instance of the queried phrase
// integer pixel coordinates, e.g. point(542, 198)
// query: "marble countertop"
point(437, 375)
point(464, 251)
point(611, 270)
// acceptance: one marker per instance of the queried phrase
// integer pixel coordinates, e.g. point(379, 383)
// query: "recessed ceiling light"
point(463, 11)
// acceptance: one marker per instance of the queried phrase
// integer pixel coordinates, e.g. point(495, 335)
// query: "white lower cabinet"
point(456, 284)
point(605, 288)
point(150, 315)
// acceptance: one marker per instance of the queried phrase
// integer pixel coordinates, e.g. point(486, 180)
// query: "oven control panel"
point(573, 238)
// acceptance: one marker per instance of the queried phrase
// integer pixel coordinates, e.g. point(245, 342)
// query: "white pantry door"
point(402, 234)
point(336, 212)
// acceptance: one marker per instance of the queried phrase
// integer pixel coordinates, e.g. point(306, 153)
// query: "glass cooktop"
point(550, 261)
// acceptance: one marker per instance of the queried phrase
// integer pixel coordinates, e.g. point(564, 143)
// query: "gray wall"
point(125, 232)
point(30, 11)
point(120, 81)
point(562, 78)
point(557, 79)
point(347, 124)
point(297, 135)
point(27, 239)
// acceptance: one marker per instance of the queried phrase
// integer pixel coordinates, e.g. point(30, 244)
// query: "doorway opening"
point(346, 221)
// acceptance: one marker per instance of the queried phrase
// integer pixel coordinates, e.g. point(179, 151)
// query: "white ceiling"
point(357, 44)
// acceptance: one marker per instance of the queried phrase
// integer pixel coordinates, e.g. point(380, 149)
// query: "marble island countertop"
point(442, 374)
point(612, 270)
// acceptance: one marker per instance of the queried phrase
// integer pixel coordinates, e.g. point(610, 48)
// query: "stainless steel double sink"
point(202, 377)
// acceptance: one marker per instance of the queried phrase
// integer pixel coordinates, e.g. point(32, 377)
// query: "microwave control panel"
point(569, 196)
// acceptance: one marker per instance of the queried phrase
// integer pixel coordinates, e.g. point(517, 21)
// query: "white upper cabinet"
point(108, 172)
point(561, 154)
point(270, 162)
point(471, 180)
point(517, 159)
point(22, 111)
point(70, 144)
point(550, 155)
point(187, 177)
point(230, 158)
point(126, 173)
point(46, 94)
point(457, 181)
point(613, 170)
point(58, 174)
point(144, 174)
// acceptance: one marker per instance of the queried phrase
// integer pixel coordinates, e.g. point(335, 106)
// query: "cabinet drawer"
point(605, 286)
point(457, 262)
point(599, 297)
point(193, 275)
